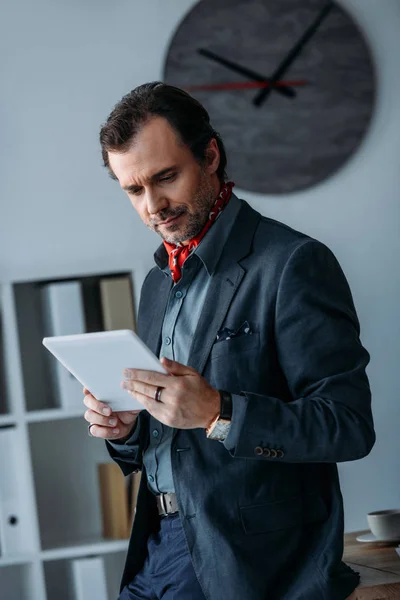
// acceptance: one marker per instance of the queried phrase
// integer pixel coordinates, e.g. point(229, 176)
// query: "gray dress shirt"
point(182, 313)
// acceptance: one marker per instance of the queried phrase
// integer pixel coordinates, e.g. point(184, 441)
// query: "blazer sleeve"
point(129, 454)
point(319, 349)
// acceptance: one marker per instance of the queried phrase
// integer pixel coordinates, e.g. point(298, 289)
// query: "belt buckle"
point(162, 503)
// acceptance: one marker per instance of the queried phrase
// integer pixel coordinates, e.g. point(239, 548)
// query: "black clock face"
point(289, 85)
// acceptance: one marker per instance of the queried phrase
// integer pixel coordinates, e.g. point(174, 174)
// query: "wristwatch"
point(219, 427)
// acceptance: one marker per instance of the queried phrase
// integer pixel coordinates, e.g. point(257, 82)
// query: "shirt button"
point(156, 433)
point(168, 341)
point(150, 478)
point(178, 295)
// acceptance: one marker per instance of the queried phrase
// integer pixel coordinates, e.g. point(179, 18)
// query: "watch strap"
point(226, 405)
point(223, 419)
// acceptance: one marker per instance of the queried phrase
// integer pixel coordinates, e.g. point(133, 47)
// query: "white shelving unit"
point(56, 517)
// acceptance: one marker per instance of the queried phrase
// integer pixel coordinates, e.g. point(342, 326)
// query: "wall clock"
point(289, 85)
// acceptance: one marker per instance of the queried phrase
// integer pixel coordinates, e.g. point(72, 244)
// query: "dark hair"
point(185, 114)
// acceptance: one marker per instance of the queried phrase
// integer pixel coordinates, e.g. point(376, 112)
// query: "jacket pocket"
point(273, 516)
point(235, 345)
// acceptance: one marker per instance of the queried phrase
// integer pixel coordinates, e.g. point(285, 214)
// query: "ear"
point(212, 156)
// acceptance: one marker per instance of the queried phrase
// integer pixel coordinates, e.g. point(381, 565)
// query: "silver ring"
point(89, 426)
point(157, 395)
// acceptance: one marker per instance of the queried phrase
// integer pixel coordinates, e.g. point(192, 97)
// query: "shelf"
point(54, 414)
point(59, 575)
point(23, 559)
point(51, 521)
point(64, 307)
point(85, 548)
point(7, 420)
point(64, 462)
point(99, 546)
point(63, 274)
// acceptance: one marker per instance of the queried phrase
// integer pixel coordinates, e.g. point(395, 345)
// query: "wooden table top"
point(378, 565)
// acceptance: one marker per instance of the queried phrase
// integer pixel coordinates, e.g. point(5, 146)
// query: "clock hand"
point(286, 91)
point(242, 85)
point(294, 52)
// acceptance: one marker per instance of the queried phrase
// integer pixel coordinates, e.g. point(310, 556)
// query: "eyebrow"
point(133, 186)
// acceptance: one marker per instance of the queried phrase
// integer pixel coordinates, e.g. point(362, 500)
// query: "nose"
point(155, 202)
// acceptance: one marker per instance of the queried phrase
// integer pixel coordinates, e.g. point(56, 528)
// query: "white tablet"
point(98, 360)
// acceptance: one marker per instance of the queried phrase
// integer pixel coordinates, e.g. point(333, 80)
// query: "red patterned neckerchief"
point(178, 253)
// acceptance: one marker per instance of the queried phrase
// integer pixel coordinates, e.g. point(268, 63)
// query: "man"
point(266, 387)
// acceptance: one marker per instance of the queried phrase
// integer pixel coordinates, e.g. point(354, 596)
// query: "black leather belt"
point(166, 504)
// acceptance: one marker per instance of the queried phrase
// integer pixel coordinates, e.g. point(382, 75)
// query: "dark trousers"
point(168, 571)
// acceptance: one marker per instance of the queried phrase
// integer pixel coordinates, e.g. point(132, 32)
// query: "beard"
point(196, 215)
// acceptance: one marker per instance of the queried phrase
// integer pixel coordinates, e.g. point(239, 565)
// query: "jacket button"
point(258, 451)
point(266, 452)
point(280, 454)
point(274, 453)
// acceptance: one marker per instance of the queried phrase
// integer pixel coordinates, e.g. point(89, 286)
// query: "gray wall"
point(64, 64)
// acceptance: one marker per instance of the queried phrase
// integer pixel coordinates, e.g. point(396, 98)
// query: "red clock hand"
point(253, 75)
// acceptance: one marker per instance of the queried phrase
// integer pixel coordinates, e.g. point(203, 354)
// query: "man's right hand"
point(106, 424)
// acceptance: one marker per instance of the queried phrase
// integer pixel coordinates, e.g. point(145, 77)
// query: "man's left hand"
point(187, 400)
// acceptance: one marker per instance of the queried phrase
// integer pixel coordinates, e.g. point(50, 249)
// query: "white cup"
point(385, 524)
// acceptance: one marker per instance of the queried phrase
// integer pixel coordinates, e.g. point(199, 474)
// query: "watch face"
point(220, 430)
point(289, 85)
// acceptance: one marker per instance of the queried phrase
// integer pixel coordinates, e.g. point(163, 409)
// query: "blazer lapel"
point(219, 296)
point(223, 286)
point(154, 305)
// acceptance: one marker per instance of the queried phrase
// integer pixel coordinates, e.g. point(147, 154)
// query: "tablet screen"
point(98, 360)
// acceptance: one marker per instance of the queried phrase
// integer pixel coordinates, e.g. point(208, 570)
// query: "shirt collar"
point(210, 248)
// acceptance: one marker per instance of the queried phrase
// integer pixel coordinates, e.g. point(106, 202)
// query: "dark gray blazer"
point(264, 520)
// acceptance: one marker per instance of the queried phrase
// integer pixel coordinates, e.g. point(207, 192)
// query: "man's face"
point(171, 192)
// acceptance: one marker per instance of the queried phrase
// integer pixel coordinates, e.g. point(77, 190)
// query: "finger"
point(86, 392)
point(151, 377)
point(105, 433)
point(157, 409)
point(95, 419)
point(139, 397)
point(97, 406)
point(128, 416)
point(176, 368)
point(138, 387)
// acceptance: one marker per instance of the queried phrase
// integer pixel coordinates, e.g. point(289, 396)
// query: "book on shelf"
point(114, 502)
point(11, 535)
point(63, 315)
point(89, 578)
point(117, 303)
